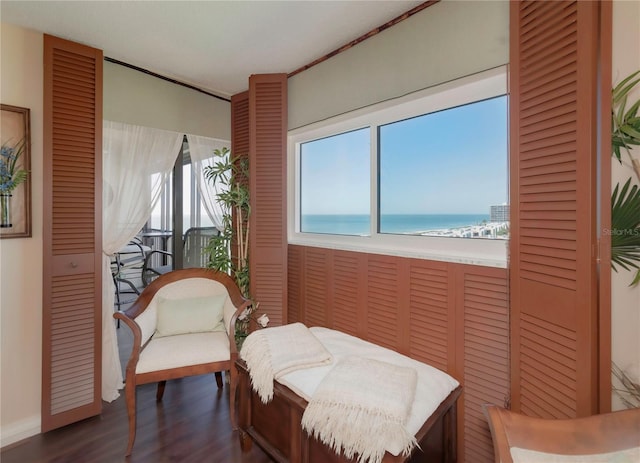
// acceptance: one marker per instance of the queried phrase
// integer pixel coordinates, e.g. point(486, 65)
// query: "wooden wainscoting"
point(452, 316)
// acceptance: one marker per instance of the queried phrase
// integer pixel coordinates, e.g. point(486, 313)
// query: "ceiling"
point(213, 45)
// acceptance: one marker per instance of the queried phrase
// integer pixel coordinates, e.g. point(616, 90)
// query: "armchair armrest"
point(137, 341)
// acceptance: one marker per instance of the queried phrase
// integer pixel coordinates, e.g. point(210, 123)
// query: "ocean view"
point(390, 223)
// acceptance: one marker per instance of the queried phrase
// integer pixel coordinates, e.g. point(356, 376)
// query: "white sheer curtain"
point(136, 163)
point(201, 152)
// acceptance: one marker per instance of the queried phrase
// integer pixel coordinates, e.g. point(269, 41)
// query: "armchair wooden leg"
point(219, 379)
point(160, 392)
point(233, 385)
point(130, 396)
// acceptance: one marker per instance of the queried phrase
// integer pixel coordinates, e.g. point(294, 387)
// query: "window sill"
point(481, 252)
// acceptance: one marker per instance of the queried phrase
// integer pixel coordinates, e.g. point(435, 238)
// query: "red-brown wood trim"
point(588, 24)
point(514, 191)
point(364, 37)
point(98, 228)
point(47, 225)
point(604, 251)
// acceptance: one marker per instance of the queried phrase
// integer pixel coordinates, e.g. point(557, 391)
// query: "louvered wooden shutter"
point(482, 356)
point(317, 286)
point(383, 297)
point(267, 164)
point(431, 310)
point(553, 152)
point(239, 148)
point(72, 236)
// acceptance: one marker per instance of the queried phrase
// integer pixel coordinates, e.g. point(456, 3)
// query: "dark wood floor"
point(190, 425)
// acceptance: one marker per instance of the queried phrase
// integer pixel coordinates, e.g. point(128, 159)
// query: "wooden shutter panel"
point(429, 311)
point(239, 143)
point(72, 241)
point(384, 291)
point(317, 286)
point(267, 164)
point(240, 124)
point(482, 356)
point(553, 152)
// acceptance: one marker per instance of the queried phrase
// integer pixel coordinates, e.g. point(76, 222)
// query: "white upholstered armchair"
point(183, 324)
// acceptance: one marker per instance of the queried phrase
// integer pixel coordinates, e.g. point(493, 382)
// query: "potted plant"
point(229, 250)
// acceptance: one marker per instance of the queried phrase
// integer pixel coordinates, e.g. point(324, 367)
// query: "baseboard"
point(14, 432)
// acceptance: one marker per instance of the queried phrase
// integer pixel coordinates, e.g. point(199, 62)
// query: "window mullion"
point(374, 182)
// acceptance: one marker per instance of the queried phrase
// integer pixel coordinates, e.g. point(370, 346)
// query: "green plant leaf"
point(623, 88)
point(629, 130)
point(630, 115)
point(625, 228)
point(625, 124)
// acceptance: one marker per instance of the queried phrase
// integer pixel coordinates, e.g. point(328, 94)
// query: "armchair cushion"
point(183, 350)
point(190, 315)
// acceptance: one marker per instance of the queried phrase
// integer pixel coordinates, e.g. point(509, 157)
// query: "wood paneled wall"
point(452, 316)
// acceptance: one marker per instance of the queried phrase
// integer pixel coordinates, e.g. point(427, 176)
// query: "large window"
point(440, 173)
point(334, 184)
point(408, 177)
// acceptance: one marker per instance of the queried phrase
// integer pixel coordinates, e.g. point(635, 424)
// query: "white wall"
point(445, 41)
point(625, 301)
point(21, 84)
point(137, 98)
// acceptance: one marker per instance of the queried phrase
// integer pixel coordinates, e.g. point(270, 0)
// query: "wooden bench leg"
point(245, 441)
point(160, 392)
point(219, 379)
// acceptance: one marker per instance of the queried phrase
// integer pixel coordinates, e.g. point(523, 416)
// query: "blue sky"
point(449, 162)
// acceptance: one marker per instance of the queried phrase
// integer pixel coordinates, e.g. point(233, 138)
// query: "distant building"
point(500, 213)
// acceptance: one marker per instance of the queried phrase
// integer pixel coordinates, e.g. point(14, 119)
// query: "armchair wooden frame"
point(592, 435)
point(133, 379)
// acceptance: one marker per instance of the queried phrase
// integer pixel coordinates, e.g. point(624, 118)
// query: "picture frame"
point(15, 201)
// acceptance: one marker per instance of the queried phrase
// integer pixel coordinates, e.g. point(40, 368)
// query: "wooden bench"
point(276, 426)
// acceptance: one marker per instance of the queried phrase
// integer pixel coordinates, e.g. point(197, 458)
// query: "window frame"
point(474, 88)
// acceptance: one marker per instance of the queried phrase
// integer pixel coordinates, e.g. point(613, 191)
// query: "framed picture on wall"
point(15, 172)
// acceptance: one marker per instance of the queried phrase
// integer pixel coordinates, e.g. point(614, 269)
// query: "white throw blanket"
point(274, 352)
point(361, 408)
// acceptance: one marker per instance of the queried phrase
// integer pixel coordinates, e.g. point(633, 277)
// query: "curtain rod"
point(168, 79)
